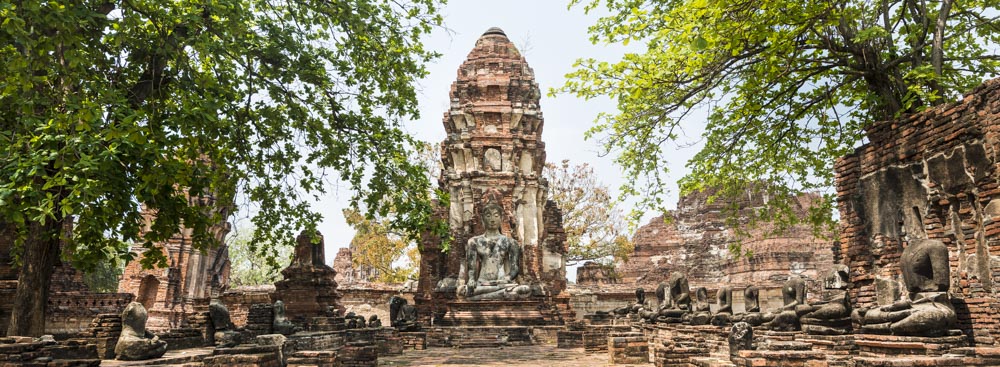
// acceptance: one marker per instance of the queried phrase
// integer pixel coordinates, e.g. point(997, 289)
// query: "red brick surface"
point(494, 126)
point(959, 140)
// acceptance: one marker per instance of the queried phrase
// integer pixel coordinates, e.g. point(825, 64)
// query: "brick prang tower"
point(494, 127)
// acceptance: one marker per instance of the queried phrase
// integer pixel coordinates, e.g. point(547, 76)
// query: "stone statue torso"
point(924, 265)
point(495, 260)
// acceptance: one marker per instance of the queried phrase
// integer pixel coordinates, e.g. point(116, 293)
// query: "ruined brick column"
point(308, 286)
point(494, 128)
point(170, 294)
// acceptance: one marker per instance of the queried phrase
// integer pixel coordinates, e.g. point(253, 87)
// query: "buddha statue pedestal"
point(839, 349)
point(496, 313)
point(874, 350)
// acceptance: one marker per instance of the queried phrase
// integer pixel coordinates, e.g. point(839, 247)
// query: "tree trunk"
point(38, 260)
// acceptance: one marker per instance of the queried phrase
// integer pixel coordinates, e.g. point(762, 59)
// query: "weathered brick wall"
point(72, 312)
point(928, 175)
point(592, 273)
point(586, 301)
point(494, 125)
point(371, 301)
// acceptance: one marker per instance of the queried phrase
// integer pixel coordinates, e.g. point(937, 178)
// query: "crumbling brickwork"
point(494, 127)
point(350, 273)
point(239, 301)
point(169, 293)
point(697, 239)
point(592, 273)
point(928, 175)
point(307, 287)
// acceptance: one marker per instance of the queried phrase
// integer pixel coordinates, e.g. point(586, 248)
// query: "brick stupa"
point(309, 288)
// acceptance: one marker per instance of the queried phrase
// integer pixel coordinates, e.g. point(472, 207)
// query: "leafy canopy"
point(595, 226)
point(789, 85)
point(249, 266)
point(376, 246)
point(106, 105)
point(379, 245)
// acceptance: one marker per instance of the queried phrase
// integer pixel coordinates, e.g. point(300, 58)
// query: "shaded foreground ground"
point(536, 355)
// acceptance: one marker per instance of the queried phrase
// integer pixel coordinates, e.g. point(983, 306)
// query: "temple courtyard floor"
point(535, 355)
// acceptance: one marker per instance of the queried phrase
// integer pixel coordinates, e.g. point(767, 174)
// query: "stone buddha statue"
point(751, 306)
point(927, 310)
point(832, 316)
point(492, 262)
point(702, 311)
point(723, 315)
point(639, 305)
point(280, 323)
point(135, 342)
point(679, 302)
point(226, 333)
point(793, 294)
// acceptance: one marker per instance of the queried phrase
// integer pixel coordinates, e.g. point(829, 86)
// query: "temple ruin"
point(910, 278)
point(494, 143)
point(170, 294)
point(696, 239)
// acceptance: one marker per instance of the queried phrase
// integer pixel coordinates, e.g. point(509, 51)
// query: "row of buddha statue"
point(137, 343)
point(925, 311)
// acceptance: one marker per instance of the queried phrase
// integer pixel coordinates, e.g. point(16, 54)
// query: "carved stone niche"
point(493, 160)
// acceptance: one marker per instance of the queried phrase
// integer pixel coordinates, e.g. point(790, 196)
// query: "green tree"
point(106, 105)
point(377, 246)
point(789, 85)
point(248, 265)
point(104, 277)
point(596, 228)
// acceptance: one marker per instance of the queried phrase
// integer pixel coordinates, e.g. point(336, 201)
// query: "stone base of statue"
point(786, 320)
point(700, 318)
point(673, 320)
point(497, 313)
point(327, 323)
point(722, 319)
point(875, 350)
point(815, 326)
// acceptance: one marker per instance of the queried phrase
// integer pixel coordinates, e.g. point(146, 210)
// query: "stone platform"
point(890, 350)
point(173, 357)
point(870, 345)
point(525, 356)
point(496, 313)
point(490, 336)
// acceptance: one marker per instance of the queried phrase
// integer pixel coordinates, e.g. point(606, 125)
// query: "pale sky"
point(551, 38)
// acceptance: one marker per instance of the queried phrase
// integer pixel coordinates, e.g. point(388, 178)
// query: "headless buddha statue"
point(927, 310)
